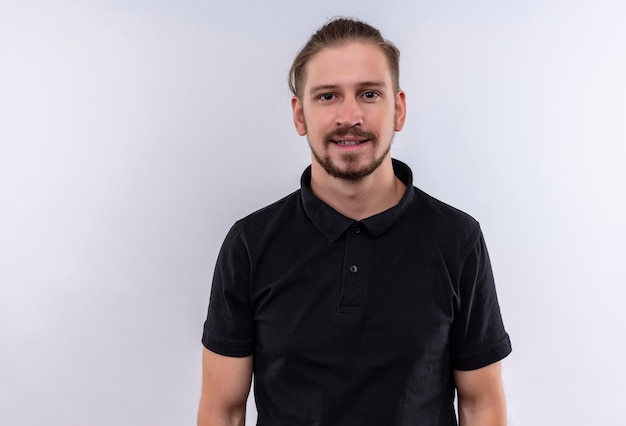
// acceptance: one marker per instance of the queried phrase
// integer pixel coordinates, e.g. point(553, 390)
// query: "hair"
point(338, 32)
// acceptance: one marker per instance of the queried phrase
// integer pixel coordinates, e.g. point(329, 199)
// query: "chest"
point(385, 297)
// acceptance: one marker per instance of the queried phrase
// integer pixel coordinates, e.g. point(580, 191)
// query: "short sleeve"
point(478, 335)
point(229, 328)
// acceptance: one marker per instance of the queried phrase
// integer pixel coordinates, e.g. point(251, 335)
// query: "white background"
point(134, 133)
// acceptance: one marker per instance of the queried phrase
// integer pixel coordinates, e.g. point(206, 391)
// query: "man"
point(358, 299)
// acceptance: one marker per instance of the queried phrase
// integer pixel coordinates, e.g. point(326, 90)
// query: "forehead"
point(347, 64)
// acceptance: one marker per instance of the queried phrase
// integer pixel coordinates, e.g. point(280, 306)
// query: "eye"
point(326, 97)
point(370, 95)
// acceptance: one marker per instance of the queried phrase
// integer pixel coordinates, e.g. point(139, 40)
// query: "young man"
point(358, 299)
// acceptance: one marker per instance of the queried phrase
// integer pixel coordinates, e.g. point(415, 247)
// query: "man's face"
point(349, 110)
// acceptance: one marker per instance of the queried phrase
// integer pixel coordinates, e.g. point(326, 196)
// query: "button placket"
point(352, 290)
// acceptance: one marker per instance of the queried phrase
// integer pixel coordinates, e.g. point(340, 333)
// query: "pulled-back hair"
point(338, 32)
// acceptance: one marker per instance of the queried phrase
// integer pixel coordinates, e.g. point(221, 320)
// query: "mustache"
point(355, 132)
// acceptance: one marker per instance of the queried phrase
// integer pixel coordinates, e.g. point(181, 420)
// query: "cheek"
point(318, 123)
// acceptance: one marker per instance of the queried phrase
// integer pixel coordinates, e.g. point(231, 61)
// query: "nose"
point(349, 113)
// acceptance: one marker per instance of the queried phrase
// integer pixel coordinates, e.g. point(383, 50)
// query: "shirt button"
point(357, 230)
point(353, 268)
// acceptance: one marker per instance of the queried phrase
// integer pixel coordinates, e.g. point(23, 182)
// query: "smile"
point(349, 143)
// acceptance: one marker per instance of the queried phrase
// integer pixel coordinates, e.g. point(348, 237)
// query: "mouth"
point(349, 142)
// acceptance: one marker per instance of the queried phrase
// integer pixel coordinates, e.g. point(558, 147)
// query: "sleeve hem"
point(495, 353)
point(238, 350)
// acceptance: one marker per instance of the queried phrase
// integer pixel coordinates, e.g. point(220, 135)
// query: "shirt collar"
point(333, 224)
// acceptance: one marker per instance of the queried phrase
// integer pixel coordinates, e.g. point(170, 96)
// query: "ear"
point(400, 111)
point(298, 116)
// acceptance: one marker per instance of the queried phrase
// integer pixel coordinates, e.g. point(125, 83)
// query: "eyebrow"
point(324, 87)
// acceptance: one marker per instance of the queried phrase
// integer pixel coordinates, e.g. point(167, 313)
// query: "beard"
point(351, 170)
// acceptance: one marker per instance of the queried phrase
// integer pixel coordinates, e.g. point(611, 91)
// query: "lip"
point(348, 138)
point(349, 143)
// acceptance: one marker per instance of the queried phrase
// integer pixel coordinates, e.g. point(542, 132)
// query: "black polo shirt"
point(356, 322)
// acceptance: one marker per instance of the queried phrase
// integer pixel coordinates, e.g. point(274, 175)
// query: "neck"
point(359, 199)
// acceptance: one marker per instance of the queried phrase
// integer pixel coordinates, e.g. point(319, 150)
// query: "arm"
point(481, 396)
point(225, 387)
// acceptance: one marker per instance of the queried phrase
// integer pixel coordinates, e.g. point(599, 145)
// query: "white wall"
point(133, 133)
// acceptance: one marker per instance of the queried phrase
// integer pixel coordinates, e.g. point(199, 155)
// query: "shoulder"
point(285, 204)
point(442, 212)
point(270, 216)
point(444, 220)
